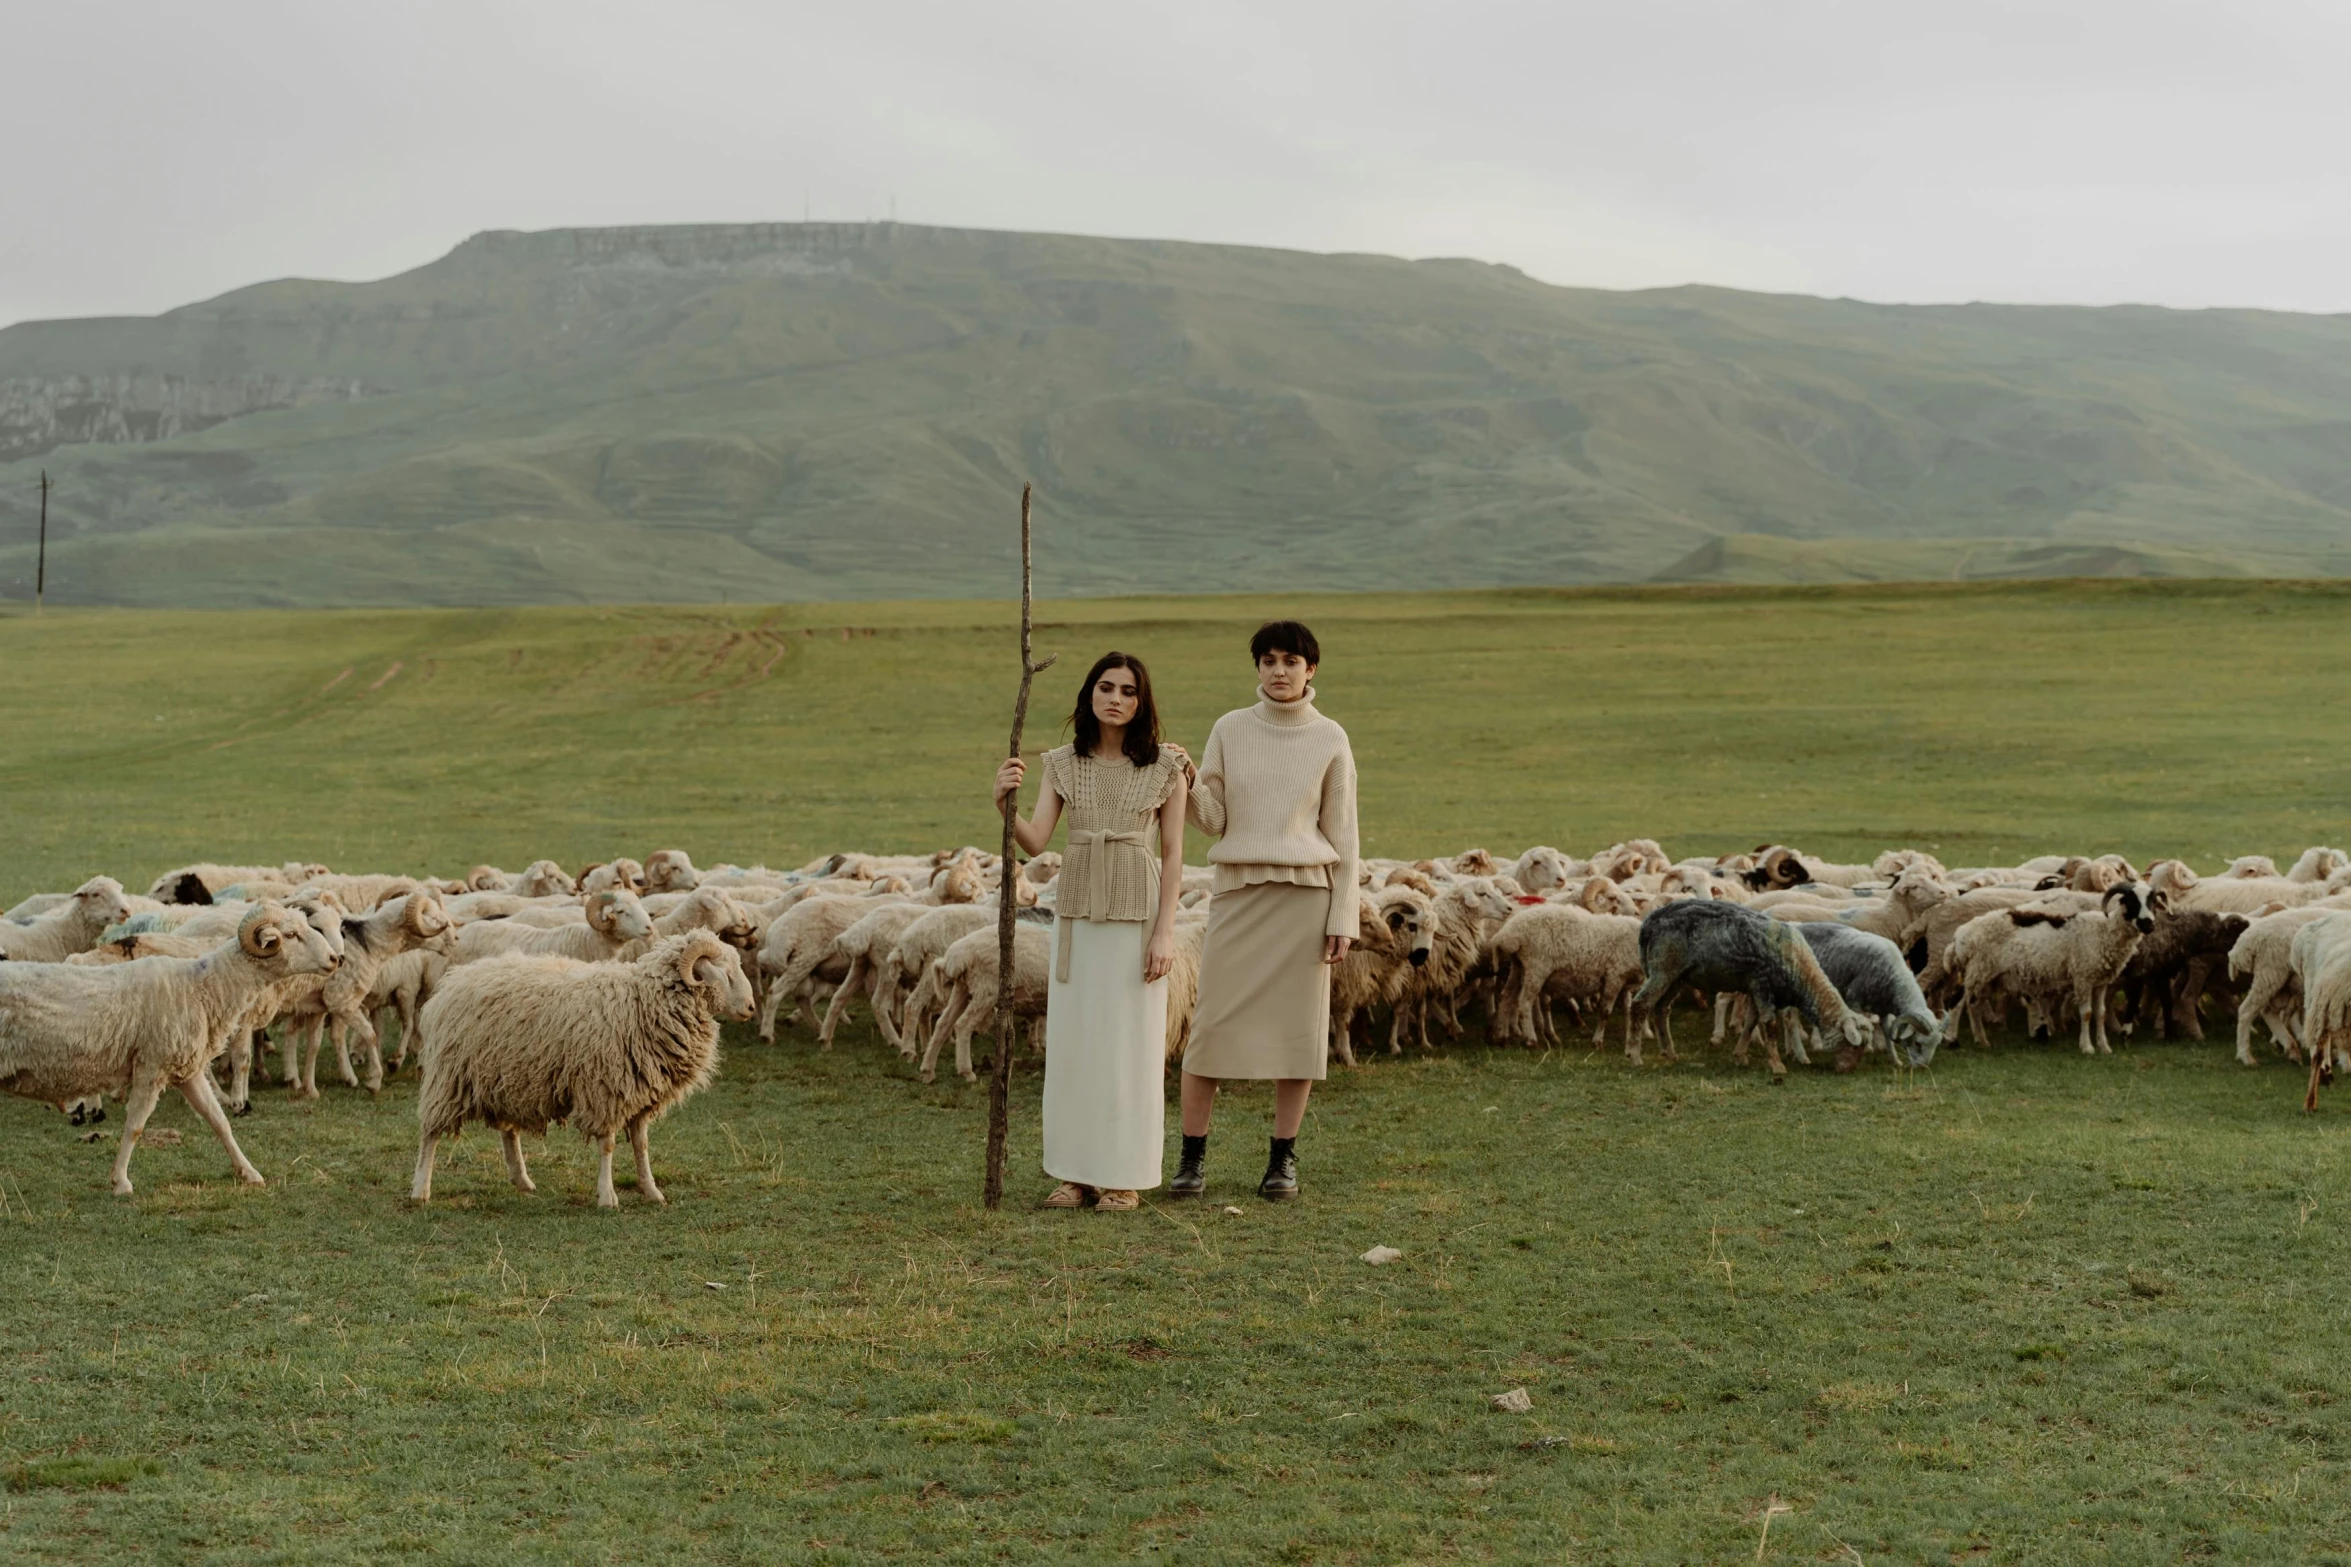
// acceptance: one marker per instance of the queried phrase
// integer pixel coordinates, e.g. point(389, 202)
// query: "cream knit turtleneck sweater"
point(1277, 790)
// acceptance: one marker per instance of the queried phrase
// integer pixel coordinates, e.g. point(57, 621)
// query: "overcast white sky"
point(2184, 152)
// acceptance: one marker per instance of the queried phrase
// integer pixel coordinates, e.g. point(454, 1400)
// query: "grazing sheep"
point(543, 879)
point(2322, 962)
point(909, 961)
point(135, 1029)
point(1397, 929)
point(614, 875)
point(670, 870)
point(523, 1042)
point(74, 926)
point(1717, 946)
point(2263, 958)
point(705, 908)
point(2051, 956)
point(864, 945)
point(401, 989)
point(2318, 864)
point(1564, 951)
point(2165, 978)
point(1870, 975)
point(412, 922)
point(615, 918)
point(969, 977)
point(800, 952)
point(1467, 916)
point(203, 883)
point(2247, 894)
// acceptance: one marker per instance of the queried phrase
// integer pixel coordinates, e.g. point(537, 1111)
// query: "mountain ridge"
point(803, 411)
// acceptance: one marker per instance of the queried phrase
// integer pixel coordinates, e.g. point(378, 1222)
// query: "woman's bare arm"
point(1159, 953)
point(1033, 834)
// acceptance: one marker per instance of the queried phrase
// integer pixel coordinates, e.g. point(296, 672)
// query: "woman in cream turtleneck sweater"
point(1276, 789)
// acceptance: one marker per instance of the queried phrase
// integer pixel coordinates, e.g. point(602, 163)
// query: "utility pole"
point(41, 560)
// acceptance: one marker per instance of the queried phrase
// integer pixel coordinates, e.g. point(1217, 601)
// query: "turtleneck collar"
point(1289, 714)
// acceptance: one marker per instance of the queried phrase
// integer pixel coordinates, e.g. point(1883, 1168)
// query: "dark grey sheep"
point(1719, 946)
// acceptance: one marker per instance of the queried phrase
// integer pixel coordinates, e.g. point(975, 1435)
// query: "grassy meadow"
point(2020, 1307)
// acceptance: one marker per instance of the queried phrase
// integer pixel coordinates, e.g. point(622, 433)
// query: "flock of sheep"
point(595, 999)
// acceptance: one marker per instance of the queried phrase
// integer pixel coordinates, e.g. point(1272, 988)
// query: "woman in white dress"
point(1113, 936)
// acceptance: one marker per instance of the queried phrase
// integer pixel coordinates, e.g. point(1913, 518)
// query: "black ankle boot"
point(1281, 1171)
point(1191, 1177)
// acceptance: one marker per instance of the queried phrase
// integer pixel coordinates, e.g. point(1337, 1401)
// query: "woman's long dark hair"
point(1142, 737)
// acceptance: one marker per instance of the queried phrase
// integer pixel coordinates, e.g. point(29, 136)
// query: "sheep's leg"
point(966, 1026)
point(1793, 1026)
point(606, 1197)
point(1343, 1036)
point(306, 1055)
point(768, 1006)
point(519, 1172)
point(859, 971)
point(344, 1026)
point(1546, 1028)
point(289, 1058)
point(197, 1090)
point(885, 1008)
point(146, 1088)
point(2101, 1001)
point(421, 1189)
point(641, 1140)
point(1722, 1013)
point(243, 1043)
point(342, 1050)
point(1525, 990)
point(2087, 1006)
point(405, 1003)
point(2258, 996)
point(957, 997)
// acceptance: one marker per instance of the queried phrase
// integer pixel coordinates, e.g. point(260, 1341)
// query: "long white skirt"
point(1106, 1061)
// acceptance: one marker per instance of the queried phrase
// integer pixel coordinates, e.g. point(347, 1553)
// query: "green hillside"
point(779, 412)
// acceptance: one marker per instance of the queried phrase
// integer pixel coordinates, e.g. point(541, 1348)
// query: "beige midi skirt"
point(1265, 992)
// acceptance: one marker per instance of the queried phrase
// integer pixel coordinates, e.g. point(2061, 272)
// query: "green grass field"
point(2021, 1307)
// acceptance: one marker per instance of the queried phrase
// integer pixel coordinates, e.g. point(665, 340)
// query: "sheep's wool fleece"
point(524, 1042)
point(1277, 790)
point(1113, 833)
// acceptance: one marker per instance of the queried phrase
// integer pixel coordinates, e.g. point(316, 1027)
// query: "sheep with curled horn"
point(135, 1029)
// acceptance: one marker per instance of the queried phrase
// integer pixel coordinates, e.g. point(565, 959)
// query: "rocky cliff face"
point(37, 415)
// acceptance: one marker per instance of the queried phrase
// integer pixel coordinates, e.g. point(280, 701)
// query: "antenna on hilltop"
point(41, 561)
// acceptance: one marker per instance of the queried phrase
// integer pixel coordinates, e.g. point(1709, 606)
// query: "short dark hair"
point(1141, 745)
point(1285, 636)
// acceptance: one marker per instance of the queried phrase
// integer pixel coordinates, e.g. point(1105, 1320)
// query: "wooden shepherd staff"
point(1007, 904)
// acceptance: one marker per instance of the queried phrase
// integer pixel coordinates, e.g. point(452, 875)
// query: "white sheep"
point(863, 946)
point(615, 918)
point(74, 926)
point(1467, 916)
point(413, 922)
point(904, 989)
point(2052, 956)
point(2263, 958)
point(800, 952)
point(2322, 962)
point(969, 978)
point(135, 1029)
point(1541, 868)
point(670, 870)
point(522, 1042)
point(1564, 951)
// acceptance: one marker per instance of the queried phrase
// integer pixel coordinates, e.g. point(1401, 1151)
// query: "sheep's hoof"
point(122, 1188)
point(653, 1194)
point(252, 1177)
point(926, 1077)
point(242, 1107)
point(969, 1077)
point(78, 1117)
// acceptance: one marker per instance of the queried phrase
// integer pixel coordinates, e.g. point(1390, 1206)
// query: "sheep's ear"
point(708, 972)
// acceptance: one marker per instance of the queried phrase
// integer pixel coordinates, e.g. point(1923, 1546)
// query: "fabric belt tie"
point(1096, 844)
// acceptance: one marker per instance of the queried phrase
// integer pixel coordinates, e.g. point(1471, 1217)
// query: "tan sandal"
point(1069, 1194)
point(1118, 1202)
